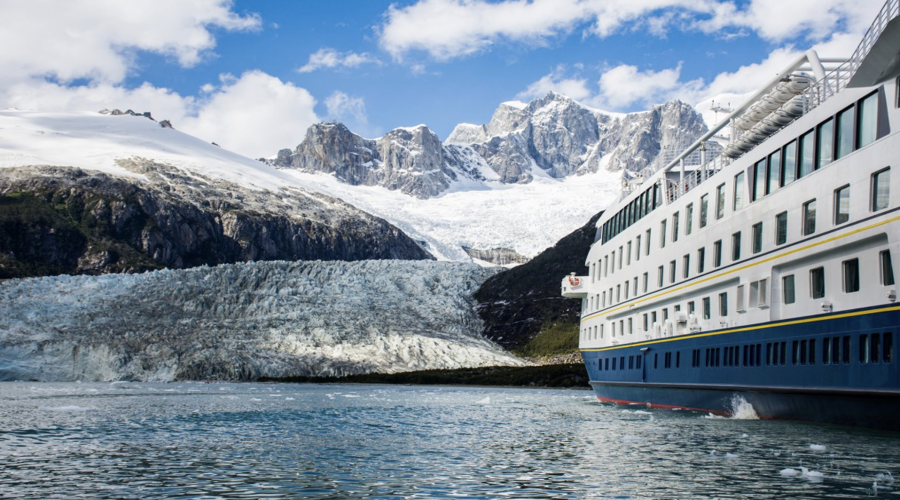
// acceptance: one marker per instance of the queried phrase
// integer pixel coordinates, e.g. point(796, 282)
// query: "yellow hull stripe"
point(741, 268)
point(751, 328)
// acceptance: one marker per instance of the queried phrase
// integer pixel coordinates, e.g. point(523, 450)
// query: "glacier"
point(245, 321)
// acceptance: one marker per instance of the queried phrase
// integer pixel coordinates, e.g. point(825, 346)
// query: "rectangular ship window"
point(723, 304)
point(660, 273)
point(717, 253)
point(781, 228)
point(672, 272)
point(662, 233)
point(757, 237)
point(675, 227)
point(825, 143)
point(701, 259)
point(704, 209)
point(688, 218)
point(868, 120)
point(845, 350)
point(739, 191)
point(759, 180)
point(648, 243)
point(851, 275)
point(835, 350)
point(720, 201)
point(774, 179)
point(817, 282)
point(646, 281)
point(637, 248)
point(740, 299)
point(875, 345)
point(863, 348)
point(686, 266)
point(807, 153)
point(789, 163)
point(706, 308)
point(809, 217)
point(628, 255)
point(842, 204)
point(736, 246)
point(881, 189)
point(787, 289)
point(888, 351)
point(845, 123)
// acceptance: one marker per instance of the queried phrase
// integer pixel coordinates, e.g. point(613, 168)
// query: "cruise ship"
point(757, 267)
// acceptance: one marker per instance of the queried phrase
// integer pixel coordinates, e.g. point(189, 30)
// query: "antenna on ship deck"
point(718, 109)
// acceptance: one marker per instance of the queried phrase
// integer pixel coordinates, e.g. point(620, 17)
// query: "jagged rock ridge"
point(65, 220)
point(554, 134)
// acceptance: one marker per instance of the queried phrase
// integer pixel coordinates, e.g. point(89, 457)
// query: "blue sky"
point(252, 75)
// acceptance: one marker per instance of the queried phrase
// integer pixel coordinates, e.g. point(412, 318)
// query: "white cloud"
point(350, 111)
point(624, 85)
point(97, 39)
point(331, 58)
point(574, 87)
point(447, 29)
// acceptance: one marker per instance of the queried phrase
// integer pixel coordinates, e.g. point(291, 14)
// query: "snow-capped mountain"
point(243, 321)
point(552, 136)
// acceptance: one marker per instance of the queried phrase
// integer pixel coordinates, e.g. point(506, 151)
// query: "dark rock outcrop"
point(518, 304)
point(70, 221)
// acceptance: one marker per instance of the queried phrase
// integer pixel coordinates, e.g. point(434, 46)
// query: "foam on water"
point(817, 447)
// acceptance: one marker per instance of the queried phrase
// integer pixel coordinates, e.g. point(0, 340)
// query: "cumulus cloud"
point(331, 58)
point(557, 81)
point(82, 51)
point(447, 29)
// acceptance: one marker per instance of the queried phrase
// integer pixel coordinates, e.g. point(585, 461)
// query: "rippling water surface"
point(126, 440)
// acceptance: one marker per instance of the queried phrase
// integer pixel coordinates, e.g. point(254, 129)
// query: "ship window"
point(646, 281)
point(628, 255)
point(637, 248)
point(606, 266)
point(875, 348)
point(881, 189)
point(809, 217)
point(688, 218)
point(646, 322)
point(887, 269)
point(863, 348)
point(763, 297)
point(781, 228)
point(606, 363)
point(795, 352)
point(817, 282)
point(842, 204)
point(825, 142)
point(630, 362)
point(740, 299)
point(672, 272)
point(739, 191)
point(614, 363)
point(678, 359)
point(736, 246)
point(888, 351)
point(812, 351)
point(704, 209)
point(655, 361)
point(660, 274)
point(807, 150)
point(759, 180)
point(845, 121)
point(867, 120)
point(851, 275)
point(787, 288)
point(675, 227)
point(635, 286)
point(638, 362)
point(774, 180)
point(789, 165)
point(620, 258)
point(626, 290)
point(845, 350)
point(836, 350)
point(630, 326)
point(769, 354)
point(686, 266)
point(665, 314)
point(653, 317)
point(691, 307)
point(604, 299)
point(618, 293)
point(601, 330)
point(667, 360)
point(723, 304)
point(803, 358)
point(648, 243)
point(717, 253)
point(757, 237)
point(720, 201)
point(701, 259)
point(783, 354)
point(827, 346)
point(706, 308)
point(662, 233)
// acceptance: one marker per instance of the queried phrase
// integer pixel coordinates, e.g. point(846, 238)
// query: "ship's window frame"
point(648, 242)
point(739, 300)
point(773, 180)
point(807, 154)
point(809, 217)
point(628, 254)
point(672, 271)
point(662, 230)
point(704, 210)
point(739, 191)
point(788, 289)
point(842, 204)
point(686, 266)
point(886, 268)
point(762, 298)
point(688, 218)
point(867, 120)
point(850, 275)
point(620, 257)
point(646, 322)
point(707, 308)
point(757, 238)
point(759, 180)
point(844, 131)
point(824, 143)
point(675, 227)
point(817, 282)
point(720, 201)
point(736, 246)
point(887, 351)
point(701, 259)
point(781, 229)
point(723, 304)
point(637, 247)
point(661, 273)
point(717, 253)
point(864, 348)
point(881, 190)
point(789, 163)
point(646, 281)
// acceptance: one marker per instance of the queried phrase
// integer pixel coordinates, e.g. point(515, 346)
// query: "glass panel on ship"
point(787, 267)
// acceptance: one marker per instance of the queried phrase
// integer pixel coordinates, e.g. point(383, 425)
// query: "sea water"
point(194, 440)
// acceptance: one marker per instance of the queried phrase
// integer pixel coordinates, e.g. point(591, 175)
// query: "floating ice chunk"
point(485, 401)
point(789, 472)
point(884, 478)
point(71, 408)
point(812, 475)
point(817, 447)
point(745, 435)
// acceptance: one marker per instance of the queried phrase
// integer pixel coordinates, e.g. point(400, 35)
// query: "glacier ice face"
point(244, 321)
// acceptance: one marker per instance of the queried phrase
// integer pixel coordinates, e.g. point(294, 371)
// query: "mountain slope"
point(523, 303)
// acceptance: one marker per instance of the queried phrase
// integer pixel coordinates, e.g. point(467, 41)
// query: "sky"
point(253, 75)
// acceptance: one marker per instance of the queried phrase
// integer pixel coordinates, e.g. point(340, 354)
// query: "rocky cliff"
point(56, 220)
point(554, 134)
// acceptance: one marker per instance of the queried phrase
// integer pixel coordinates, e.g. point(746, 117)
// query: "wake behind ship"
point(761, 266)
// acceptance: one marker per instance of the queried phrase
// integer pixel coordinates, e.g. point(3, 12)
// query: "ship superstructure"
point(763, 268)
